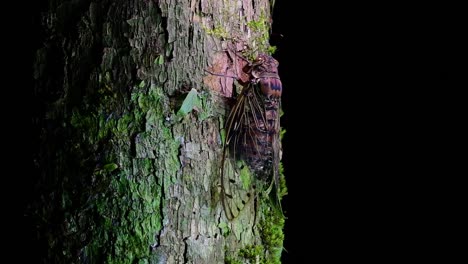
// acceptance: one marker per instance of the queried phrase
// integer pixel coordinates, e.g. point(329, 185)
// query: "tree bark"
point(128, 126)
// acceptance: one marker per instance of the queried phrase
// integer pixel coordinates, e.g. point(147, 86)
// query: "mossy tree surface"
point(129, 127)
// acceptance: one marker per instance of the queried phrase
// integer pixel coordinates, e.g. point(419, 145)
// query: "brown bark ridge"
point(129, 133)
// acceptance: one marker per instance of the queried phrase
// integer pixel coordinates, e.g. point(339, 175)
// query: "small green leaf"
point(271, 50)
point(223, 135)
point(142, 84)
point(282, 132)
point(110, 167)
point(191, 101)
point(159, 60)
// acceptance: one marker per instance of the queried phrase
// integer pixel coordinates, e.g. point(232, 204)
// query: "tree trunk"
point(128, 126)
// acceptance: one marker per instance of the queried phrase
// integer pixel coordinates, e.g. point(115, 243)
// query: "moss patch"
point(124, 201)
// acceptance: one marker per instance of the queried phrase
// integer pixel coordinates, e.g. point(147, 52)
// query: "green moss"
point(126, 210)
point(124, 125)
point(128, 216)
point(232, 260)
point(283, 189)
point(97, 126)
point(260, 41)
point(218, 32)
point(254, 254)
point(272, 236)
point(248, 254)
point(271, 228)
point(245, 176)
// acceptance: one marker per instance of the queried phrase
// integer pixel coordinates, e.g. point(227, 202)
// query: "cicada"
point(252, 145)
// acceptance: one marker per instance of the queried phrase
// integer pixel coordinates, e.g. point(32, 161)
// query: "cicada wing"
point(236, 181)
point(236, 190)
point(251, 150)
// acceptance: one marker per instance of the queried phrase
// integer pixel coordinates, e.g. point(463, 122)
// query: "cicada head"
point(267, 62)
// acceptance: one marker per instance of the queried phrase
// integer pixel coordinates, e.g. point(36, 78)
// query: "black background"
point(358, 89)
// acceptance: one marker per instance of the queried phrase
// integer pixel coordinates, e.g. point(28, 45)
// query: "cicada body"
point(252, 137)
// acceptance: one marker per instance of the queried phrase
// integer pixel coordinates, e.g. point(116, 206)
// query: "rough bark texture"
point(128, 127)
